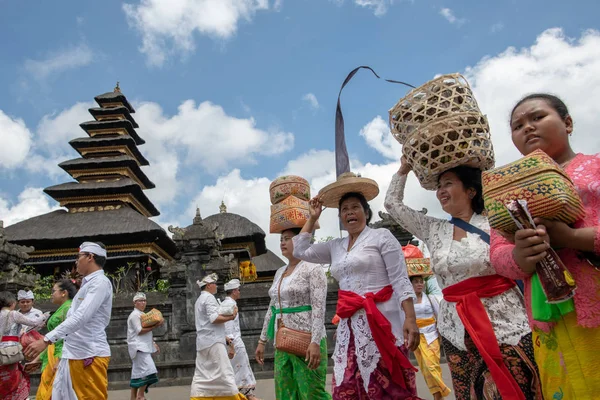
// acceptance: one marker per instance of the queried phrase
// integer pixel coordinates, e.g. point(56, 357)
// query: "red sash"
point(381, 329)
point(467, 295)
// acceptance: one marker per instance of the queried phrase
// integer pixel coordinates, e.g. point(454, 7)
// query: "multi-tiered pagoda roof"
point(106, 202)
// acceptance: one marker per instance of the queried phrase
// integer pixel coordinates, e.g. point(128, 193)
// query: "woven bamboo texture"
point(438, 98)
point(549, 191)
point(460, 139)
point(289, 185)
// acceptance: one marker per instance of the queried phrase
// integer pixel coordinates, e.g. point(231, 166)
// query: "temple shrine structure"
point(105, 203)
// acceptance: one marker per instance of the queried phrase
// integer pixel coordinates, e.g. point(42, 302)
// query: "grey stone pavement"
point(264, 389)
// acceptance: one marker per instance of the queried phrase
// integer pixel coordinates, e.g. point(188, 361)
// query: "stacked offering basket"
point(441, 127)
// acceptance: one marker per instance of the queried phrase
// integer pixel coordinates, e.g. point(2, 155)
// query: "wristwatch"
point(46, 340)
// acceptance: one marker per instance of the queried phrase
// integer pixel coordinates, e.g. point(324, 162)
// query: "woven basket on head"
point(461, 139)
point(442, 96)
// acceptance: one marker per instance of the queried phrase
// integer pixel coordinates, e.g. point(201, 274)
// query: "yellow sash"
point(422, 323)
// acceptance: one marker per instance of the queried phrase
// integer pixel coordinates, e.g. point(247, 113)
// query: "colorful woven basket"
point(549, 191)
point(290, 213)
point(438, 98)
point(289, 185)
point(418, 267)
point(460, 139)
point(151, 318)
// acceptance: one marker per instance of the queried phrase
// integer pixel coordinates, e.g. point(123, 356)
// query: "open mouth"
point(351, 221)
point(444, 199)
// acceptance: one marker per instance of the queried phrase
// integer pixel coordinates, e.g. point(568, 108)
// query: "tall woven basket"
point(460, 139)
point(438, 98)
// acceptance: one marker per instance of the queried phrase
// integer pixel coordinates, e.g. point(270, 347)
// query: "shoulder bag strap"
point(279, 295)
point(467, 227)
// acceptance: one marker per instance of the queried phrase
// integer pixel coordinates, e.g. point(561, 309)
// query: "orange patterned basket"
point(289, 185)
point(549, 191)
point(418, 267)
point(151, 318)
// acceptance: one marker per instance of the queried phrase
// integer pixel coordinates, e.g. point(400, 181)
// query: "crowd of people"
point(495, 345)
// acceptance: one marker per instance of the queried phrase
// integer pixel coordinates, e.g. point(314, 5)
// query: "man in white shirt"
point(244, 377)
point(214, 375)
point(83, 370)
point(141, 346)
point(26, 300)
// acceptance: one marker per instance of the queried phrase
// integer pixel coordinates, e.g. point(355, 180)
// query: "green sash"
point(540, 308)
point(288, 310)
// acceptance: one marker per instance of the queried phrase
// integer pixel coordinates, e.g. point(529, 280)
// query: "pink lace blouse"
point(584, 170)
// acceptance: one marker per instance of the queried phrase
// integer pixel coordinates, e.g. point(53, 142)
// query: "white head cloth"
point(23, 295)
point(94, 248)
point(232, 284)
point(212, 278)
point(139, 296)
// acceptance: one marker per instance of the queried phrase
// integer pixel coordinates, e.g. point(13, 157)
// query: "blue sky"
point(232, 93)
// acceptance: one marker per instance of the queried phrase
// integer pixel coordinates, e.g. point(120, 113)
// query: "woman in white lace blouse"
point(482, 319)
point(302, 289)
point(371, 352)
point(14, 383)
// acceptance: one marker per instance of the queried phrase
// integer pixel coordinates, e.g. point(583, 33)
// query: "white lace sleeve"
point(412, 220)
point(391, 252)
point(318, 296)
point(318, 253)
point(19, 318)
point(263, 333)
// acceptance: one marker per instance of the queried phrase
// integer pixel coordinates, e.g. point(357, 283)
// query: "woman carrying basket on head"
point(375, 302)
point(427, 309)
point(298, 297)
point(567, 343)
point(14, 382)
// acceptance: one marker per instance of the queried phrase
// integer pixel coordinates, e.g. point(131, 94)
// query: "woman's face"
point(535, 124)
point(418, 284)
point(286, 245)
point(352, 215)
point(453, 196)
point(58, 296)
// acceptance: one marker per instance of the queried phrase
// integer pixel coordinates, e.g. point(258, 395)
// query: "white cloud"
point(16, 141)
point(450, 17)
point(60, 61)
point(31, 202)
point(312, 101)
point(379, 7)
point(497, 27)
point(556, 64)
point(168, 26)
point(232, 140)
point(377, 135)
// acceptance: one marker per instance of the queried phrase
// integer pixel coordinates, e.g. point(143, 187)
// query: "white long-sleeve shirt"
point(135, 341)
point(207, 311)
point(84, 329)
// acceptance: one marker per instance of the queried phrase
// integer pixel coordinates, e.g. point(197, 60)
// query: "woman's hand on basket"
point(405, 167)
point(531, 247)
point(313, 356)
point(315, 208)
point(411, 334)
point(259, 355)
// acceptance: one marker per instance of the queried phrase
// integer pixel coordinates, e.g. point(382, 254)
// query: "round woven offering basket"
point(438, 98)
point(461, 139)
point(289, 185)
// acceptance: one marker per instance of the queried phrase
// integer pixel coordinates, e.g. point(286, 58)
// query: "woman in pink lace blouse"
point(566, 349)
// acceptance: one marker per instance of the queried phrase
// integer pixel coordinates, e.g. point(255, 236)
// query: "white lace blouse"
point(454, 261)
point(306, 285)
point(11, 322)
point(375, 261)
